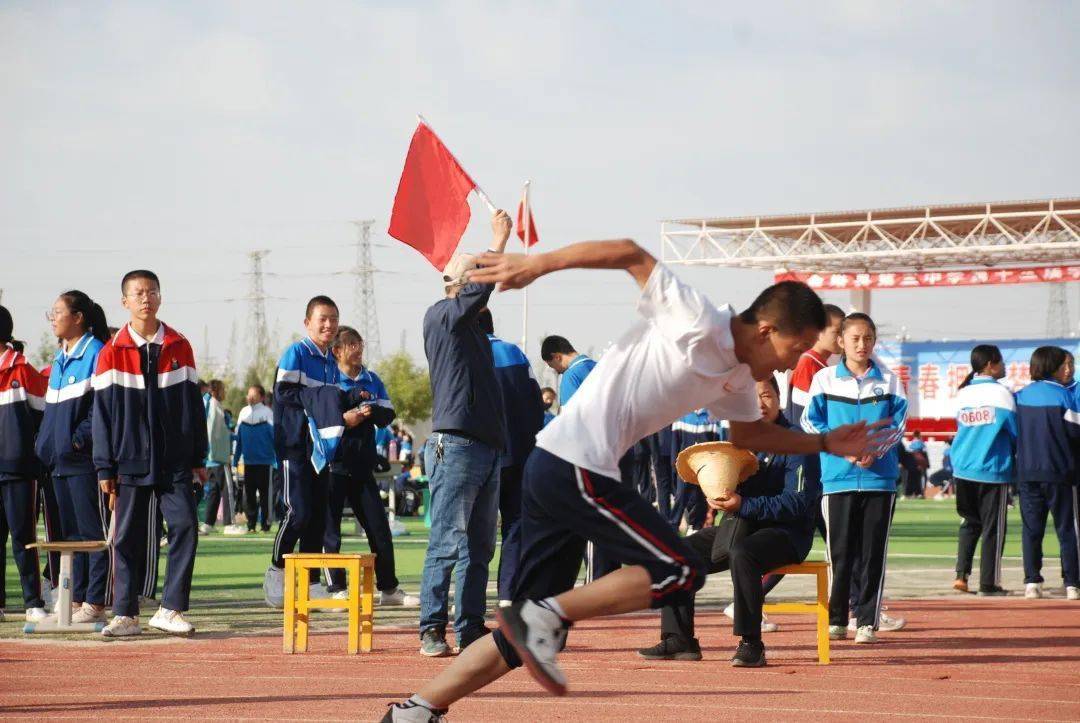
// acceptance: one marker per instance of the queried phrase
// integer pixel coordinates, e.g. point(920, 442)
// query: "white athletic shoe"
point(888, 624)
point(837, 632)
point(88, 613)
point(274, 587)
point(852, 625)
point(205, 529)
point(36, 615)
point(409, 712)
point(865, 634)
point(729, 611)
point(1072, 593)
point(339, 595)
point(537, 634)
point(398, 598)
point(172, 622)
point(1033, 591)
point(74, 607)
point(122, 626)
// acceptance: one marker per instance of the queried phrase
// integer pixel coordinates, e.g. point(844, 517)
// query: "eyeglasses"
point(51, 315)
point(151, 295)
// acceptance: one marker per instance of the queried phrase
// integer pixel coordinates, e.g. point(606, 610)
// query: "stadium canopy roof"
point(961, 236)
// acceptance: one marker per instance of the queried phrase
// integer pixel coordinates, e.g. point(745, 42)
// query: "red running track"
point(959, 658)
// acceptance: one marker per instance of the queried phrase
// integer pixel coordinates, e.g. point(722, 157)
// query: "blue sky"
point(178, 136)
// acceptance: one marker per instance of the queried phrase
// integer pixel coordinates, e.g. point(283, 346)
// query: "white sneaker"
point(88, 613)
point(409, 712)
point(768, 627)
point(122, 626)
point(1033, 590)
point(865, 634)
point(205, 529)
point(172, 622)
point(729, 611)
point(537, 634)
point(398, 598)
point(339, 595)
point(36, 615)
point(74, 607)
point(852, 625)
point(1072, 593)
point(888, 624)
point(274, 587)
point(837, 632)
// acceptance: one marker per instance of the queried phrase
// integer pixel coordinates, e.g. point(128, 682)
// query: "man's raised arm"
point(514, 271)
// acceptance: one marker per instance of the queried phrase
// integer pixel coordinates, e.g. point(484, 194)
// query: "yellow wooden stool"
point(821, 607)
point(360, 605)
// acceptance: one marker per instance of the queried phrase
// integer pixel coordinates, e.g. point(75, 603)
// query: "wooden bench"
point(820, 607)
point(60, 621)
point(360, 606)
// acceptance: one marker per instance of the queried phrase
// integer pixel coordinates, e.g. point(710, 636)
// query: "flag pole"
point(476, 187)
point(526, 216)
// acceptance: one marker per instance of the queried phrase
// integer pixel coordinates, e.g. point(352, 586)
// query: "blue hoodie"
point(986, 431)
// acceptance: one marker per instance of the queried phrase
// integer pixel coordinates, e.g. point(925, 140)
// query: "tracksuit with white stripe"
point(64, 445)
point(1046, 472)
point(858, 502)
point(255, 448)
point(22, 401)
point(149, 433)
point(982, 458)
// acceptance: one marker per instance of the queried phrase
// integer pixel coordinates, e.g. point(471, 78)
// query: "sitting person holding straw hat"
point(769, 504)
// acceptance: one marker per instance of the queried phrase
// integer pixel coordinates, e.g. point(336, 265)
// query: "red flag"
point(533, 236)
point(430, 208)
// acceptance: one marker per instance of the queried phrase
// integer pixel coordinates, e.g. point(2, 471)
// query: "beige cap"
point(457, 270)
point(717, 467)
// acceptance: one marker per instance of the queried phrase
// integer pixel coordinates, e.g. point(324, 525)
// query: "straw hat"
point(717, 467)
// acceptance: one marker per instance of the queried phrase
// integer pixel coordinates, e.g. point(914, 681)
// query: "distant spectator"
point(559, 354)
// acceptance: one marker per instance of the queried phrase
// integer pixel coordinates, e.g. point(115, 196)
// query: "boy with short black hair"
point(149, 436)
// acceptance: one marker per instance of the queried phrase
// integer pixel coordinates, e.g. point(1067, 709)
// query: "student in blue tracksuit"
point(1046, 468)
point(982, 458)
point(255, 448)
point(860, 494)
point(22, 401)
point(523, 411)
point(65, 447)
point(690, 429)
point(559, 354)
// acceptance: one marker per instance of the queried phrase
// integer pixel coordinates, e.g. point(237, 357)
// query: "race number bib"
point(977, 416)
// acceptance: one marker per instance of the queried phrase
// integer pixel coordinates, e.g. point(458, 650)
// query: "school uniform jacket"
point(809, 364)
point(255, 435)
point(986, 431)
point(358, 444)
point(22, 401)
point(65, 441)
point(1048, 423)
point(523, 405)
point(837, 398)
point(129, 398)
point(690, 429)
point(303, 366)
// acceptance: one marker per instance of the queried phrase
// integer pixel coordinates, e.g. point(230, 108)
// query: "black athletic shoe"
point(411, 712)
point(750, 654)
point(996, 591)
point(433, 643)
point(537, 634)
point(672, 648)
point(468, 637)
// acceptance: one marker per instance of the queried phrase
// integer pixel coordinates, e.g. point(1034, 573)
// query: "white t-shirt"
point(680, 358)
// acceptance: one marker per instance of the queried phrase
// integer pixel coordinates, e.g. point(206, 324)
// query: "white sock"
point(553, 605)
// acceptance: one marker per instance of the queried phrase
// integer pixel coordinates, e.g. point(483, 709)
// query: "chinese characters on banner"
point(974, 277)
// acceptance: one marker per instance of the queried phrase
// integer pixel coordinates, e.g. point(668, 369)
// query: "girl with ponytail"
point(982, 458)
point(65, 446)
point(22, 398)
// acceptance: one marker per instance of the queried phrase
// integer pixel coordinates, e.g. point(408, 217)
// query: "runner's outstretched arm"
point(514, 271)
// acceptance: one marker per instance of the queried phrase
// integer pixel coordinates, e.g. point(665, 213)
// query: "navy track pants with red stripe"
point(563, 507)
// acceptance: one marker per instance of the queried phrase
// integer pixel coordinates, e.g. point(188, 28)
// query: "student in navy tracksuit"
point(22, 401)
point(306, 402)
point(523, 411)
point(1049, 423)
point(982, 458)
point(690, 429)
point(767, 523)
point(352, 476)
point(859, 494)
point(255, 449)
point(149, 438)
point(65, 447)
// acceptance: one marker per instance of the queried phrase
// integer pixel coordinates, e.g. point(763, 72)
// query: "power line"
point(367, 319)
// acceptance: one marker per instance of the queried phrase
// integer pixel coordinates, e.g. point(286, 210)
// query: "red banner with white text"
point(928, 279)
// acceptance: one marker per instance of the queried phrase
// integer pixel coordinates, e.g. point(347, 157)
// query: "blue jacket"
point(65, 442)
point(255, 435)
point(358, 454)
point(785, 492)
point(22, 401)
point(837, 398)
point(324, 408)
point(691, 429)
point(574, 377)
point(523, 405)
point(986, 431)
point(1048, 423)
point(465, 393)
point(302, 366)
point(148, 419)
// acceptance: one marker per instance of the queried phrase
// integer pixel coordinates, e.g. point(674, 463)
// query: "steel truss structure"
point(891, 239)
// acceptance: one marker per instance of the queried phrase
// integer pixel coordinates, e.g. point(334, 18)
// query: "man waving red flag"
point(431, 210)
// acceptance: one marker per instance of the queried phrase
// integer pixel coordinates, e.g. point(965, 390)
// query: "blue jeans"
point(463, 476)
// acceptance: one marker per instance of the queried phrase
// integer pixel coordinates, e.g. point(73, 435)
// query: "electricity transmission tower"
point(1057, 311)
point(366, 317)
point(258, 333)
